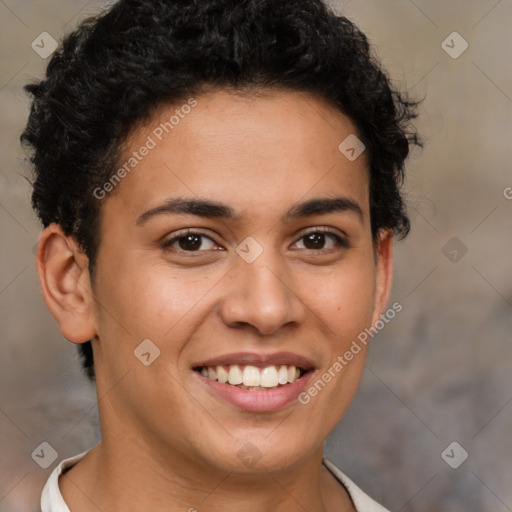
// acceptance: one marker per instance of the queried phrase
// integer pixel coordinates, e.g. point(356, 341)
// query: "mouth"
point(253, 378)
point(255, 382)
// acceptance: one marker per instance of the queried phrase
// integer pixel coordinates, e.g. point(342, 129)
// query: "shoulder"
point(362, 501)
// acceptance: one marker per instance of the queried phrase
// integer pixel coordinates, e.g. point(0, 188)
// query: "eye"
point(189, 241)
point(193, 241)
point(316, 239)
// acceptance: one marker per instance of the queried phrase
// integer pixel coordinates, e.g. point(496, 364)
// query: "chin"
point(260, 453)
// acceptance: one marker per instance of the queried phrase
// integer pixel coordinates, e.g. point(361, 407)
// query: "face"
point(266, 263)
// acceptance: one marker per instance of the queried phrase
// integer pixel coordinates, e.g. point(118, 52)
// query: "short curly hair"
point(116, 69)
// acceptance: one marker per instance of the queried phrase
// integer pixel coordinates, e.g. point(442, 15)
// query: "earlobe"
point(384, 274)
point(63, 271)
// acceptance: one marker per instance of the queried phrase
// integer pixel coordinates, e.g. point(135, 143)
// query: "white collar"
point(51, 499)
point(362, 501)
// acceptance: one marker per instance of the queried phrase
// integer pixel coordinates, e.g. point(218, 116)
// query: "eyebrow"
point(213, 209)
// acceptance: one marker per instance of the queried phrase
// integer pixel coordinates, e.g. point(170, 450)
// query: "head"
point(195, 190)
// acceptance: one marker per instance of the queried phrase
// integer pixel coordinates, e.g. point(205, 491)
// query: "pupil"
point(314, 238)
point(191, 242)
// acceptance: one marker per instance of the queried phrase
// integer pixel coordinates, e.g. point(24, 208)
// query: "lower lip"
point(258, 401)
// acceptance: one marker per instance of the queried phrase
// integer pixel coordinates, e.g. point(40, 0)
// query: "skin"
point(167, 442)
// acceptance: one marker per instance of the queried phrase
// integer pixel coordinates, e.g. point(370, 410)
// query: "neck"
point(129, 475)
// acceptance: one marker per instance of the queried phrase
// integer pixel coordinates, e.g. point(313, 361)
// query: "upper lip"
point(259, 360)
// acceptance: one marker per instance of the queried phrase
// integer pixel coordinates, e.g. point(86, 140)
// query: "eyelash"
point(342, 242)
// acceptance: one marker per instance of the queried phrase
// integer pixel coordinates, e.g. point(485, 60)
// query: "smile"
point(251, 377)
point(255, 382)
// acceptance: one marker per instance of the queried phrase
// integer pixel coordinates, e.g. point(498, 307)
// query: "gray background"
point(440, 372)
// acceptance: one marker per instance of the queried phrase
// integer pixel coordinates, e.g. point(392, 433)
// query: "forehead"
point(253, 151)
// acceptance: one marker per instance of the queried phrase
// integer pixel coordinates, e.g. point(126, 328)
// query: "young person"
point(219, 185)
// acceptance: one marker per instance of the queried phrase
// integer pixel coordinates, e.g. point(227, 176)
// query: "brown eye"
point(189, 242)
point(316, 240)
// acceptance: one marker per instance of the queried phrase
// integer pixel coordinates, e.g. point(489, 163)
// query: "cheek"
point(344, 304)
point(160, 303)
point(156, 302)
point(152, 304)
point(344, 299)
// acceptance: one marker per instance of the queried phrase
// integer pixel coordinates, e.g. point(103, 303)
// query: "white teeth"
point(282, 375)
point(252, 377)
point(235, 375)
point(269, 377)
point(222, 375)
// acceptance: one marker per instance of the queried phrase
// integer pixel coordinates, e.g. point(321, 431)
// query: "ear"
point(384, 274)
point(63, 271)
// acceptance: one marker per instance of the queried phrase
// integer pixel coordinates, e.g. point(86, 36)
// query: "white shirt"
point(52, 500)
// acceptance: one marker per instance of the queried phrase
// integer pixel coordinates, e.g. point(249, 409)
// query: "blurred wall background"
point(439, 373)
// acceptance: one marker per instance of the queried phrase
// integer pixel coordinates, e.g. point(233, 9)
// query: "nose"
point(262, 295)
